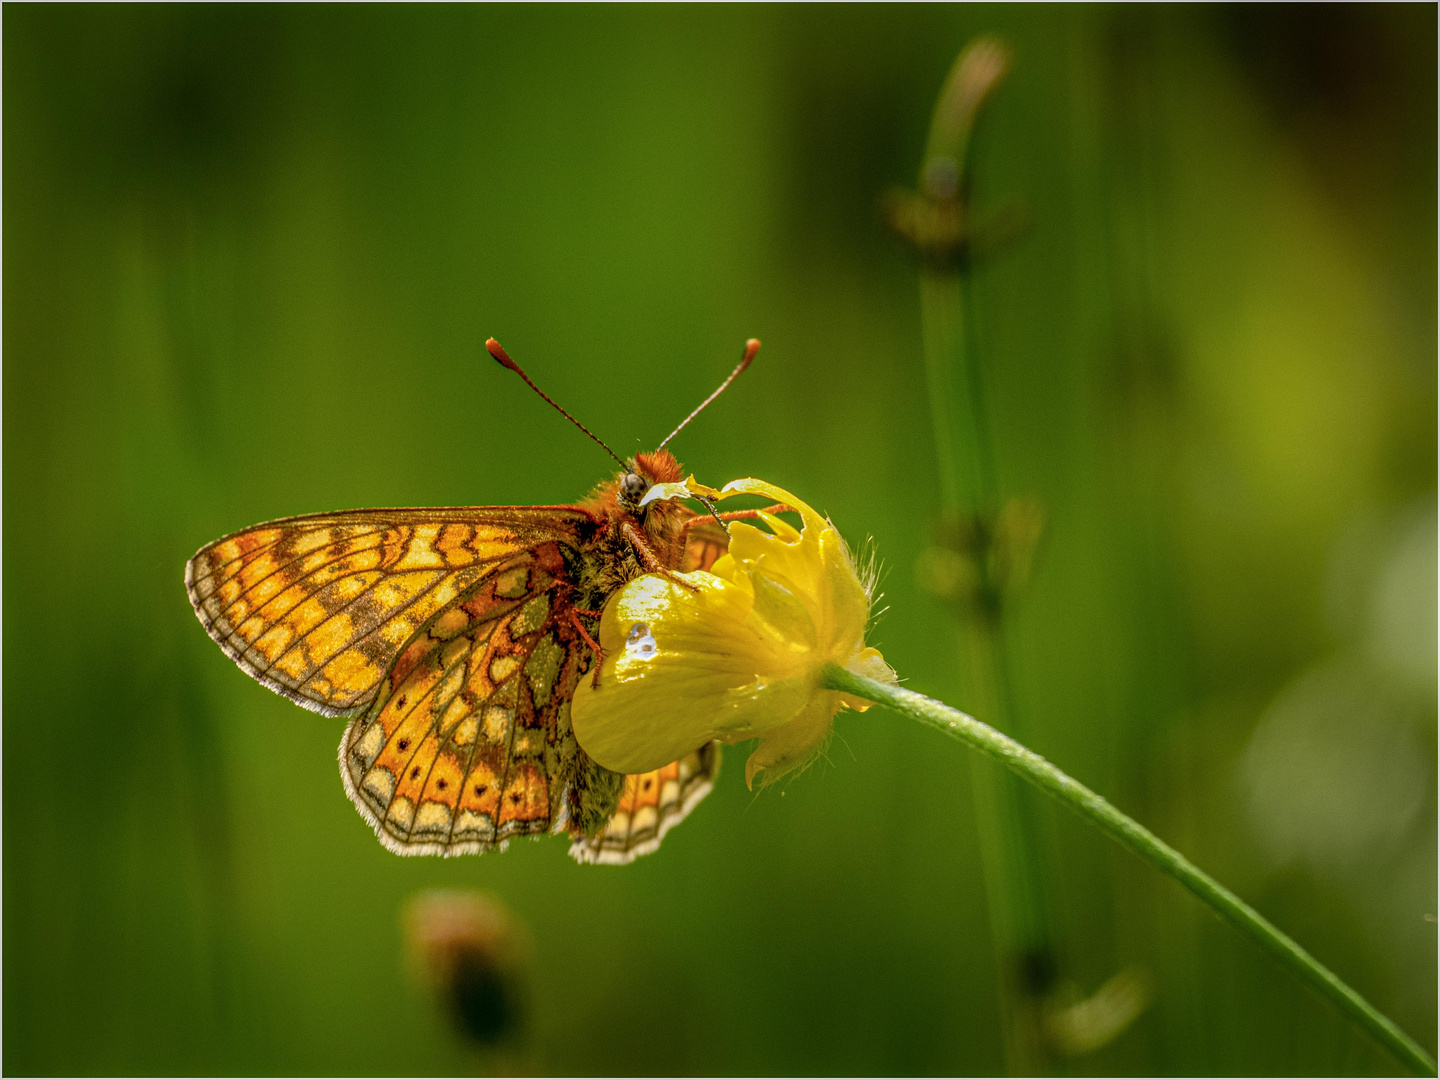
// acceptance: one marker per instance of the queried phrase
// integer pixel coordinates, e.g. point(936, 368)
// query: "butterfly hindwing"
point(468, 744)
point(650, 806)
point(317, 607)
point(705, 542)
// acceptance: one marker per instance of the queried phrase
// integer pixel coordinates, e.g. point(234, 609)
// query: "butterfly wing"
point(705, 542)
point(317, 607)
point(467, 742)
point(651, 805)
point(441, 632)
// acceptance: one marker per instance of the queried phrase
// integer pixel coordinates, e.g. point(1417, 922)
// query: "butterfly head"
point(632, 489)
point(643, 471)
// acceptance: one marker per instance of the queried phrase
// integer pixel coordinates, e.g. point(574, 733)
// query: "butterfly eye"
point(632, 487)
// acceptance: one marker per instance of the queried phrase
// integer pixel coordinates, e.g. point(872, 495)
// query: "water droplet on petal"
point(640, 643)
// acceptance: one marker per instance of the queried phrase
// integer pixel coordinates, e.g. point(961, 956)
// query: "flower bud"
point(471, 951)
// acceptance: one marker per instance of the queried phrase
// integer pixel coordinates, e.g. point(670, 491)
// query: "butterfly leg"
point(733, 515)
point(749, 515)
point(648, 558)
point(594, 645)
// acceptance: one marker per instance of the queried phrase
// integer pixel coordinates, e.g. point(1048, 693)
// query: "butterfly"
point(453, 640)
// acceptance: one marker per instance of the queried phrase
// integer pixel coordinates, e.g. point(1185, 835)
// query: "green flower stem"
point(1131, 834)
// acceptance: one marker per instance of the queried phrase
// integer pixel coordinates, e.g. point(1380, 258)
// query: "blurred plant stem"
point(937, 221)
point(1035, 770)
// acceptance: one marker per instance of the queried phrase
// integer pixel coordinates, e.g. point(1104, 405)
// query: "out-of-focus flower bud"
point(472, 952)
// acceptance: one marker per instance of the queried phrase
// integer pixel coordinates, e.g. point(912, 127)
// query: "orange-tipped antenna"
point(498, 352)
point(751, 348)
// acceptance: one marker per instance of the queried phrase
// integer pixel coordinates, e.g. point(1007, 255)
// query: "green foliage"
point(251, 256)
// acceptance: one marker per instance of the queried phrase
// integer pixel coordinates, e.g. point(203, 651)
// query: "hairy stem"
point(1033, 768)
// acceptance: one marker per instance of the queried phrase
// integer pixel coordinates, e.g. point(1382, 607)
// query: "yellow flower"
point(737, 659)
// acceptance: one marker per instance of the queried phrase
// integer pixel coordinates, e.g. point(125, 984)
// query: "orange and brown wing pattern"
point(317, 607)
point(651, 805)
point(706, 542)
point(468, 743)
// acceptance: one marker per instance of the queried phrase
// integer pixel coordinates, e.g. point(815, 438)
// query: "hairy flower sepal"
point(737, 658)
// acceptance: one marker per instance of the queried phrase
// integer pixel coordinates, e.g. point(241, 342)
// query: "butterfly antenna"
point(751, 348)
point(500, 354)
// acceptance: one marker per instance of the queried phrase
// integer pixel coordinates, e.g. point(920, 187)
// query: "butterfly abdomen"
point(594, 792)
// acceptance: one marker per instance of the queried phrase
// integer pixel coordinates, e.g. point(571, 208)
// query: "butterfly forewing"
point(317, 607)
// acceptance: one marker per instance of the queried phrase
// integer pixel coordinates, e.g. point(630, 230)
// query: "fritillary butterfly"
point(453, 640)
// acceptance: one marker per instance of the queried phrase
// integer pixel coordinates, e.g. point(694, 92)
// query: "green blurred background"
point(250, 257)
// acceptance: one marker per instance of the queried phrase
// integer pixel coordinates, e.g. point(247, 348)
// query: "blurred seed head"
point(945, 235)
point(975, 74)
point(937, 221)
point(1075, 1027)
point(473, 953)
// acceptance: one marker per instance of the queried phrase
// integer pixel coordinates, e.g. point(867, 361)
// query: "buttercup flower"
point(737, 659)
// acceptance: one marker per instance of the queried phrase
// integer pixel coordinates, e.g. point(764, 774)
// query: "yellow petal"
point(674, 490)
point(679, 489)
point(681, 669)
point(869, 663)
point(783, 612)
point(792, 744)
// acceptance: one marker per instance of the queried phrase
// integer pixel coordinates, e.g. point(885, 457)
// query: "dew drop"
point(640, 642)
